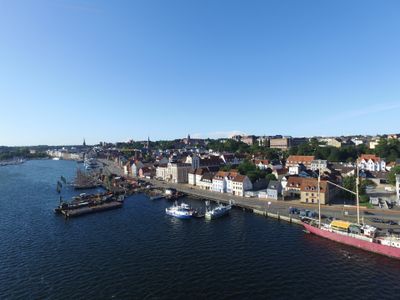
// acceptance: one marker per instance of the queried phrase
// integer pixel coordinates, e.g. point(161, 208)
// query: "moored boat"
point(182, 211)
point(218, 211)
point(364, 237)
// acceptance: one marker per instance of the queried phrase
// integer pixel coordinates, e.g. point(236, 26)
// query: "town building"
point(219, 182)
point(206, 181)
point(173, 172)
point(309, 191)
point(262, 164)
point(294, 160)
point(147, 172)
point(231, 182)
point(274, 190)
point(296, 169)
point(319, 164)
point(195, 175)
point(283, 143)
point(249, 139)
point(293, 187)
point(333, 142)
point(240, 184)
point(211, 161)
point(135, 167)
point(232, 159)
point(263, 141)
point(373, 143)
point(357, 141)
point(372, 163)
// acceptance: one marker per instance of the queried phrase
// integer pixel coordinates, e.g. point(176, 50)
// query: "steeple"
point(84, 142)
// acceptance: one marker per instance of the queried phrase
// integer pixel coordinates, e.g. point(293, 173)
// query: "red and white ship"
point(361, 236)
point(358, 235)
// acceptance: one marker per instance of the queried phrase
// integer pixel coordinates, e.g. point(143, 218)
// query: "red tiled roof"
point(300, 158)
point(311, 185)
point(368, 157)
point(239, 178)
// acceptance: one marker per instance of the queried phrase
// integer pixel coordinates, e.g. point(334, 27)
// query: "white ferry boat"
point(182, 211)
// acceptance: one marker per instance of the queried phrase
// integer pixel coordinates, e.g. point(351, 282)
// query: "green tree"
point(246, 167)
point(392, 175)
point(389, 149)
point(270, 177)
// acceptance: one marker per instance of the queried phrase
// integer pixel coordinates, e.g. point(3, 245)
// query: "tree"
point(226, 168)
point(349, 183)
point(392, 175)
point(270, 177)
point(246, 167)
point(389, 149)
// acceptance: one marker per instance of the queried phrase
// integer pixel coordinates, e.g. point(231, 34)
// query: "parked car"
point(368, 213)
point(294, 211)
point(376, 220)
point(391, 222)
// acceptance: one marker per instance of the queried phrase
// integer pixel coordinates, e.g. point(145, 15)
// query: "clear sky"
point(114, 70)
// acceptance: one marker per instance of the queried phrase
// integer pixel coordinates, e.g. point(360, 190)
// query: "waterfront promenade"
point(269, 205)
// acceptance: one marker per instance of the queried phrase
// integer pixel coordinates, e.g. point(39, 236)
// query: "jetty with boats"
point(85, 204)
point(16, 161)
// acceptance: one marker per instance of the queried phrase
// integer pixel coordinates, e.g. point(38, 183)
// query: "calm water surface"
point(138, 252)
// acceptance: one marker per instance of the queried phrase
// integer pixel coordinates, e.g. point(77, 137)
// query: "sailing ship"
point(358, 235)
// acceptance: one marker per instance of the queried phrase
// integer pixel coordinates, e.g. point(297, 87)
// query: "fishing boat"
point(358, 235)
point(182, 211)
point(218, 211)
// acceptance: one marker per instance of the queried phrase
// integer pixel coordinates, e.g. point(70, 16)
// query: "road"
point(274, 206)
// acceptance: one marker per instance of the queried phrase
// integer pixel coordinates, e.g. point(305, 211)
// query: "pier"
point(91, 209)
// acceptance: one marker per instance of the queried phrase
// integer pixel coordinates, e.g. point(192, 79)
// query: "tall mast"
point(319, 201)
point(357, 194)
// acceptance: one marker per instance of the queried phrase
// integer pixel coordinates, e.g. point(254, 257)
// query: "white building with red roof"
point(371, 162)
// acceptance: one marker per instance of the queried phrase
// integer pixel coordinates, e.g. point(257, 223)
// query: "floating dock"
point(91, 209)
point(86, 204)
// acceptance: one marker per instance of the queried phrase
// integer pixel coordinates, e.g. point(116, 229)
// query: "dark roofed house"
point(194, 175)
point(274, 189)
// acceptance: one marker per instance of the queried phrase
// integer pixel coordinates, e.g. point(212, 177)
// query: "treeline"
point(20, 152)
point(389, 149)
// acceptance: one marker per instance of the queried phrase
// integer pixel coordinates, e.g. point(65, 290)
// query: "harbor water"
point(139, 252)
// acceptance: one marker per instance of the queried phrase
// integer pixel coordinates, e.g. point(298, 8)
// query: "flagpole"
point(319, 199)
point(357, 194)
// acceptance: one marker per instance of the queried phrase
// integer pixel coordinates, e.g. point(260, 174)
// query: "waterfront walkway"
point(269, 205)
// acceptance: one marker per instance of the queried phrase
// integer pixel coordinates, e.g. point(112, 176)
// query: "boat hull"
point(217, 215)
point(179, 216)
point(354, 242)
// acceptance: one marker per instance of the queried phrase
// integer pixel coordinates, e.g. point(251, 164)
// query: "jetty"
point(85, 204)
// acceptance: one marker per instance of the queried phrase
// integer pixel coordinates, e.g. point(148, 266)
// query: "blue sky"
point(114, 70)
